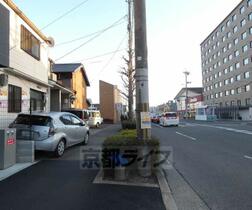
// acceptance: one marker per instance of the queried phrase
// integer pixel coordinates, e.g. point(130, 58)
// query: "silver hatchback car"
point(53, 131)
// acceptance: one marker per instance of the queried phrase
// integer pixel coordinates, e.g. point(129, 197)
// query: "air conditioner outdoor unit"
point(3, 80)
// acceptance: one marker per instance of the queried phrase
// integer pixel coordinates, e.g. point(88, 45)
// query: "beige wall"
point(107, 101)
point(79, 85)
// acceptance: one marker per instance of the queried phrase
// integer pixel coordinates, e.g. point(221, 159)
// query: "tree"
point(127, 73)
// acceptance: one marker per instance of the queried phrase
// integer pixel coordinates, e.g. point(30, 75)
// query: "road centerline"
point(184, 135)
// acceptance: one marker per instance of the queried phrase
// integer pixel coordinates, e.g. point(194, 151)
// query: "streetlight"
point(186, 73)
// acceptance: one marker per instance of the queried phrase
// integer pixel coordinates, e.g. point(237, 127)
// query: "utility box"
point(7, 148)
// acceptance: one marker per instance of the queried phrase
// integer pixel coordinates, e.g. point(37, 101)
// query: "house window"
point(14, 99)
point(29, 43)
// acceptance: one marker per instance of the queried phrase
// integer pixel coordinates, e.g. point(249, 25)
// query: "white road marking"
point(247, 157)
point(181, 134)
point(227, 129)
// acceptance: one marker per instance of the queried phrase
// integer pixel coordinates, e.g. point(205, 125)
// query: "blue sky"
point(175, 31)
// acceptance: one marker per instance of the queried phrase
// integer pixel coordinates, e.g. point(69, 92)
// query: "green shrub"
point(128, 138)
point(127, 124)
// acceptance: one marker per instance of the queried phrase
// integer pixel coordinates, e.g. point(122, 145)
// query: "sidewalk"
point(62, 184)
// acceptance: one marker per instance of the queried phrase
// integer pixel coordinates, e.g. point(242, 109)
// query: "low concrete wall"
point(25, 151)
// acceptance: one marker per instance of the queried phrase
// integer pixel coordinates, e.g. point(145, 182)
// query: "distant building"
point(226, 64)
point(170, 106)
point(194, 100)
point(73, 76)
point(111, 102)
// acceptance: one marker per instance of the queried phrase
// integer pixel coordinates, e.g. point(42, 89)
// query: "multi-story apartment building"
point(226, 56)
point(24, 64)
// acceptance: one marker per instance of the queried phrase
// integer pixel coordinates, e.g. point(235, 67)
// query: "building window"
point(249, 3)
point(236, 53)
point(232, 92)
point(246, 75)
point(244, 35)
point(236, 41)
point(250, 16)
point(227, 93)
point(238, 77)
point(243, 22)
point(230, 57)
point(225, 71)
point(237, 65)
point(223, 39)
point(247, 88)
point(250, 30)
point(219, 74)
point(238, 102)
point(232, 103)
point(235, 29)
point(231, 68)
point(225, 60)
point(232, 80)
point(224, 49)
point(228, 23)
point(216, 95)
point(226, 81)
point(242, 9)
point(234, 17)
point(14, 99)
point(244, 48)
point(29, 43)
point(222, 28)
point(247, 101)
point(229, 45)
point(217, 33)
point(238, 90)
point(220, 94)
point(220, 84)
point(245, 61)
point(218, 53)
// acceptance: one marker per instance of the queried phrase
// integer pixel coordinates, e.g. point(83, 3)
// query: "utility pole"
point(141, 74)
point(130, 62)
point(186, 98)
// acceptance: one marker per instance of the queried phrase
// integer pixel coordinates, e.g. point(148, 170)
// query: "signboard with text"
point(145, 120)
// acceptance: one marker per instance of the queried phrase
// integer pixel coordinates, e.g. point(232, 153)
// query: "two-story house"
point(73, 76)
point(24, 64)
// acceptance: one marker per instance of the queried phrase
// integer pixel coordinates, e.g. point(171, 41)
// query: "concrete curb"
point(166, 193)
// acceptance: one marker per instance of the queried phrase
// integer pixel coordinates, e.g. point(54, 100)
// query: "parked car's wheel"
point(86, 138)
point(60, 149)
point(97, 125)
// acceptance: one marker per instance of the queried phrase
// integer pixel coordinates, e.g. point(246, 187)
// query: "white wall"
point(21, 60)
point(5, 117)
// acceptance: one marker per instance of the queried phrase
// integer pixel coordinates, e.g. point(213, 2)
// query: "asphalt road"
point(62, 184)
point(215, 159)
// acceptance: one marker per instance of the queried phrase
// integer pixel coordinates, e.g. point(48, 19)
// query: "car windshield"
point(33, 120)
point(171, 115)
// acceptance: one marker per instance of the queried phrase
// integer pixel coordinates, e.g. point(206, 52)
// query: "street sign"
point(145, 120)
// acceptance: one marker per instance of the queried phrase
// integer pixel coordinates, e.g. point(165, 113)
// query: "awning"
point(56, 85)
point(25, 76)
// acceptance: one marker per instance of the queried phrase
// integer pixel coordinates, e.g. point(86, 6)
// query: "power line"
point(57, 19)
point(65, 14)
point(83, 37)
point(101, 55)
point(111, 58)
point(91, 39)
